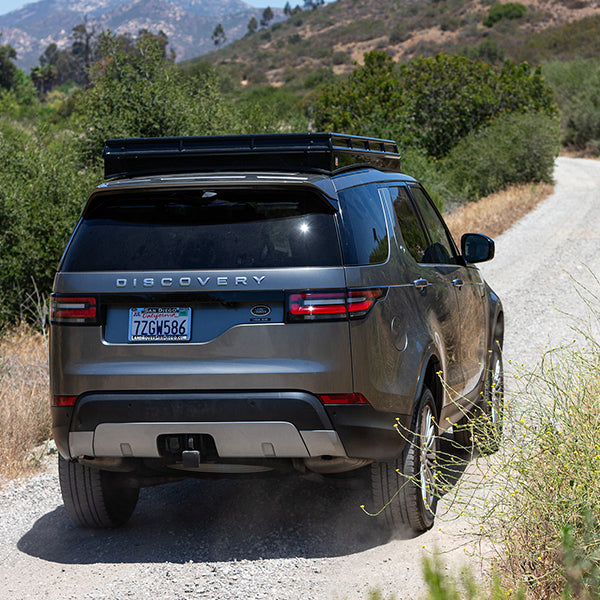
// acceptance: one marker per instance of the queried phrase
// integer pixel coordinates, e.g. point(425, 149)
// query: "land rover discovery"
point(259, 304)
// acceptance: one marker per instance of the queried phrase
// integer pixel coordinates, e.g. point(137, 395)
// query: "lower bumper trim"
point(252, 439)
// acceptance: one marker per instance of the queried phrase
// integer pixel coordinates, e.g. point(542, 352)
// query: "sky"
point(7, 6)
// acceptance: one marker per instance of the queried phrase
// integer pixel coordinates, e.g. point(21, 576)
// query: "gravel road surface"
point(296, 539)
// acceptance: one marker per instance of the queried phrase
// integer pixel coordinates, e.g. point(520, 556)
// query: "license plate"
point(157, 324)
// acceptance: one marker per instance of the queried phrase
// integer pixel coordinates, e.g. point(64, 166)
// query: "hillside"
point(312, 45)
point(188, 24)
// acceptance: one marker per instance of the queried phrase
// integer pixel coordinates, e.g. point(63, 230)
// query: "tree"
point(83, 50)
point(430, 103)
point(287, 10)
point(267, 17)
point(162, 41)
point(252, 25)
point(138, 92)
point(8, 69)
point(44, 78)
point(59, 63)
point(218, 36)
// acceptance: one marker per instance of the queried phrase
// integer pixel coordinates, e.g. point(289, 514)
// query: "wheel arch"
point(431, 376)
point(496, 324)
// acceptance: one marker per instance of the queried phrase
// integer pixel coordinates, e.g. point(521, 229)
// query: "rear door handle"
point(458, 283)
point(421, 284)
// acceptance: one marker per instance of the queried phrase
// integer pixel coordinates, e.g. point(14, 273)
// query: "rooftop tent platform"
point(296, 152)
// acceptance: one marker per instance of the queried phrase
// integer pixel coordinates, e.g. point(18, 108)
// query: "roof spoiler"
point(304, 152)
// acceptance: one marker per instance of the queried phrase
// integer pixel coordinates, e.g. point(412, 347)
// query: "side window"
point(363, 232)
point(441, 249)
point(410, 228)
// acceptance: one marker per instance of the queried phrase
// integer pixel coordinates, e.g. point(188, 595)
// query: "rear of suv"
point(243, 305)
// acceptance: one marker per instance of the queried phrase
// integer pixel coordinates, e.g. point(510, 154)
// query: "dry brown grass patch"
point(495, 214)
point(24, 410)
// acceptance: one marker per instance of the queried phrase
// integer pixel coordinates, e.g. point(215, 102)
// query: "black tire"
point(488, 436)
point(463, 432)
point(481, 429)
point(94, 498)
point(406, 487)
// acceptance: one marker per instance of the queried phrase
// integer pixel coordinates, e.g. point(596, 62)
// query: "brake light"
point(80, 310)
point(342, 399)
point(63, 400)
point(310, 306)
point(331, 305)
point(361, 301)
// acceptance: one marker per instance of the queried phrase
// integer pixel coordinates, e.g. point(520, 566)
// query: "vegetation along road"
point(243, 539)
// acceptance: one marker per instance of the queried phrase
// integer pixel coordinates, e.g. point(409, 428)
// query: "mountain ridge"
point(333, 39)
point(188, 23)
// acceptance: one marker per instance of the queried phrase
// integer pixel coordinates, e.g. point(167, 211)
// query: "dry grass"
point(24, 406)
point(495, 214)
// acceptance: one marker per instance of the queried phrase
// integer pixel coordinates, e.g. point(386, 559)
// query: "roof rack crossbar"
point(304, 152)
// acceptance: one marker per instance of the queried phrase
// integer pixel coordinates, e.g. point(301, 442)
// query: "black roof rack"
point(308, 152)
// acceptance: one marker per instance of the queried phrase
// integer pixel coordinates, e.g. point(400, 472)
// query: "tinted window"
point(410, 228)
point(440, 250)
point(205, 229)
point(364, 233)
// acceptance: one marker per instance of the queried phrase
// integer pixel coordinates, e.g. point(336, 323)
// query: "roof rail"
point(304, 152)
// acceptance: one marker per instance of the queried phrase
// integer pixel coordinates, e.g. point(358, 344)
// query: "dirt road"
point(295, 539)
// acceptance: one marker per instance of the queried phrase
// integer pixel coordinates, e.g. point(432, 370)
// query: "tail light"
point(331, 305)
point(342, 399)
point(75, 310)
point(63, 400)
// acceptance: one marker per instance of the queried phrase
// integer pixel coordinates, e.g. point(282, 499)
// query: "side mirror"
point(476, 247)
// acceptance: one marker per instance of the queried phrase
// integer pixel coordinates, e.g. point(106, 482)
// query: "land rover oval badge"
point(260, 311)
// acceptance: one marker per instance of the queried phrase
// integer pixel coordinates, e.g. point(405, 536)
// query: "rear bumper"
point(285, 424)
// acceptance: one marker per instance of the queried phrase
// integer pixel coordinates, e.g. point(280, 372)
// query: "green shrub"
point(44, 184)
point(318, 77)
point(508, 11)
point(488, 51)
point(268, 110)
point(442, 585)
point(430, 172)
point(399, 33)
point(139, 93)
point(359, 31)
point(514, 148)
point(429, 103)
point(569, 41)
point(340, 57)
point(537, 500)
point(576, 87)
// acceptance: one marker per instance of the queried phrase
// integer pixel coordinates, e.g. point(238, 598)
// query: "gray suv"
point(243, 305)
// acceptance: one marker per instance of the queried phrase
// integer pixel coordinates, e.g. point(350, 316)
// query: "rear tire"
point(463, 432)
point(406, 487)
point(94, 498)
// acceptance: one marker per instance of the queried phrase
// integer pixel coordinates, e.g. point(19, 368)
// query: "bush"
point(399, 33)
point(340, 57)
point(140, 93)
point(537, 500)
point(514, 148)
point(508, 11)
point(429, 172)
point(44, 184)
point(488, 51)
point(429, 103)
point(576, 87)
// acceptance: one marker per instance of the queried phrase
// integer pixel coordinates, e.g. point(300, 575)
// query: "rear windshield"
point(205, 229)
